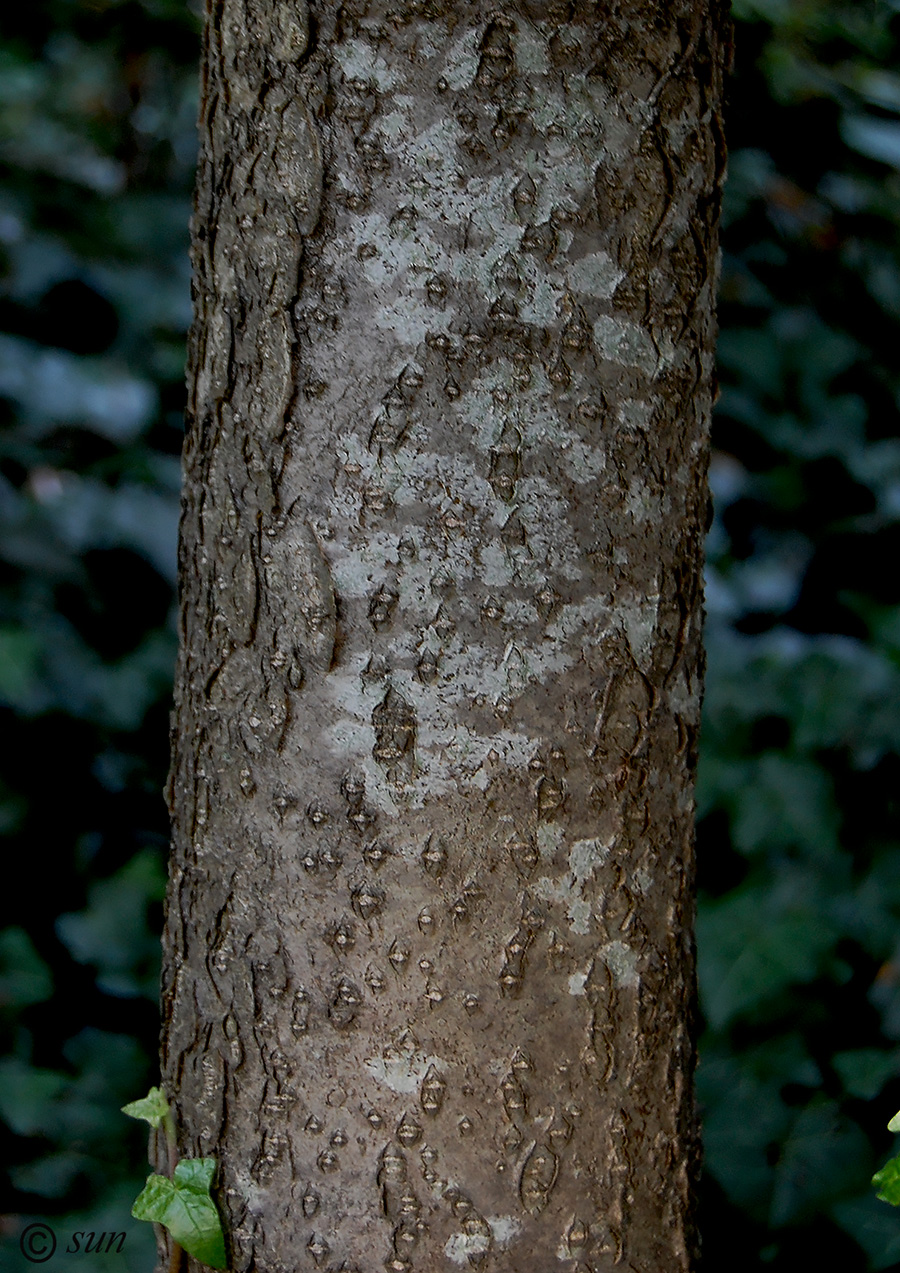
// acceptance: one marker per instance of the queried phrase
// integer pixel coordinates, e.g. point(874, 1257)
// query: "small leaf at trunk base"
point(887, 1182)
point(184, 1206)
point(153, 1108)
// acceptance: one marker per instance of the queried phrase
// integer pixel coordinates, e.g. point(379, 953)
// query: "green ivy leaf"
point(865, 1071)
point(24, 977)
point(824, 1158)
point(887, 1182)
point(152, 1108)
point(183, 1204)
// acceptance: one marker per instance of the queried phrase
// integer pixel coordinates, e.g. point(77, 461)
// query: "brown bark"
point(428, 961)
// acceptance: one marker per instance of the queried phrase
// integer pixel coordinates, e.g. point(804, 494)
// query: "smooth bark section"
point(428, 960)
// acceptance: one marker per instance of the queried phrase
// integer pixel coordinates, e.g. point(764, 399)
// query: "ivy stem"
point(171, 1147)
point(175, 1254)
point(175, 1250)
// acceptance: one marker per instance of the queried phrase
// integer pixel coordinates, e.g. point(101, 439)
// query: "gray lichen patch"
point(359, 60)
point(579, 910)
point(595, 274)
point(627, 344)
point(622, 961)
point(639, 616)
point(587, 856)
point(461, 62)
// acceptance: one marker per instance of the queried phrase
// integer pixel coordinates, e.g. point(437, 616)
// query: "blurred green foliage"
point(799, 919)
point(97, 150)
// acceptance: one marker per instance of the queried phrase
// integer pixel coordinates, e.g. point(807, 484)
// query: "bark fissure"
point(428, 967)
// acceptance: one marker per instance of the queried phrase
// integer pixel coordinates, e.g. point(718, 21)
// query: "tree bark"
point(429, 974)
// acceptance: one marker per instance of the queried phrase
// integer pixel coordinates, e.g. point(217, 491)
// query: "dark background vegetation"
point(799, 927)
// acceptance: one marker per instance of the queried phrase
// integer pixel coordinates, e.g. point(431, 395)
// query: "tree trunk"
point(428, 961)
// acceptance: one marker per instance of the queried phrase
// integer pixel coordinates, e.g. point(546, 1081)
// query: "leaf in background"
point(864, 1072)
point(112, 932)
point(29, 1097)
point(825, 1157)
point(786, 804)
point(874, 138)
point(743, 1116)
point(756, 943)
point(24, 977)
point(873, 1227)
point(18, 665)
point(52, 1176)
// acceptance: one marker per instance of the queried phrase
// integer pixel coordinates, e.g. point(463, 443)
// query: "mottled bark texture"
point(428, 958)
